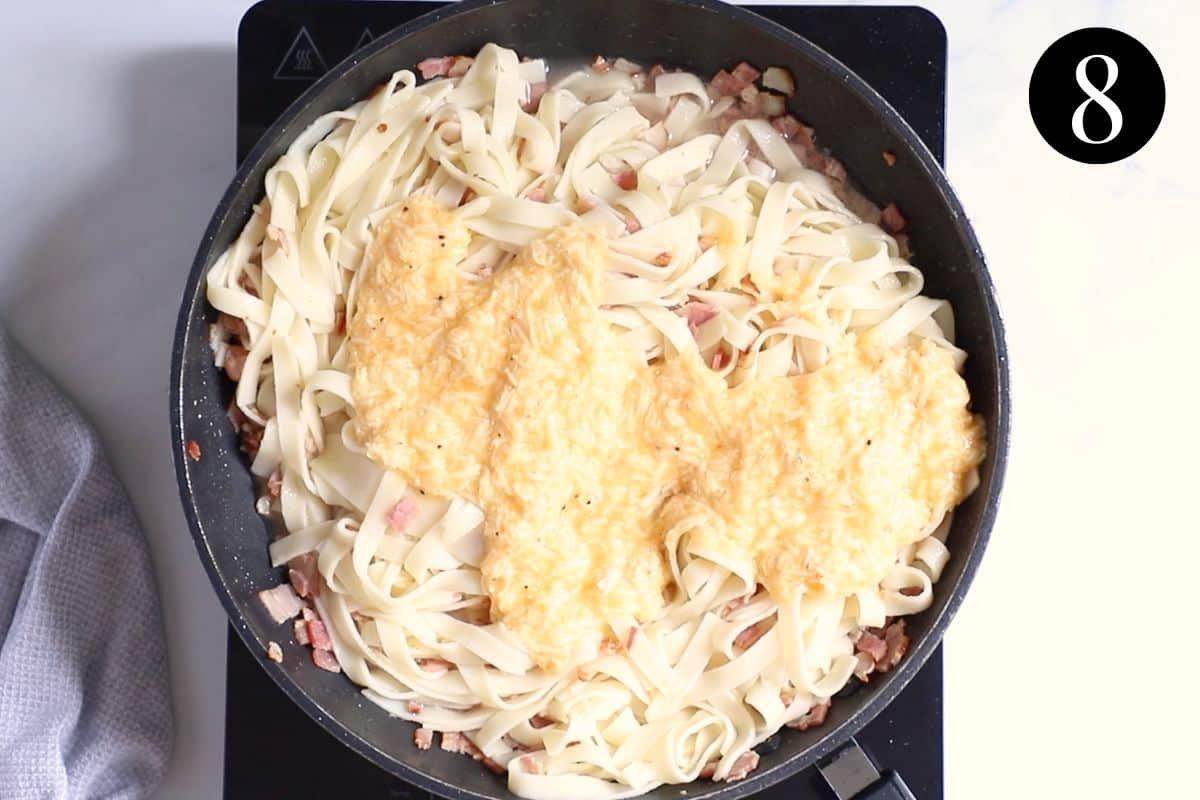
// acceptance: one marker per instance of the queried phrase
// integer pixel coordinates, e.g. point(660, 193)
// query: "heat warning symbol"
point(366, 38)
point(302, 62)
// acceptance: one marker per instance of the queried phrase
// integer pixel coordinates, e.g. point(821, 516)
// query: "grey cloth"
point(84, 695)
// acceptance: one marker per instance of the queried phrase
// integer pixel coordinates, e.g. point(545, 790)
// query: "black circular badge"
point(1097, 95)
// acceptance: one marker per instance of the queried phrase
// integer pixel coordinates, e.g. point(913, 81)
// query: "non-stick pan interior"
point(699, 35)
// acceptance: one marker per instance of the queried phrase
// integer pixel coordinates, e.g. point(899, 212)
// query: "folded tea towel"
point(84, 694)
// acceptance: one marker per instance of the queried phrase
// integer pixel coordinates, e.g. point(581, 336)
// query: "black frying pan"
point(703, 36)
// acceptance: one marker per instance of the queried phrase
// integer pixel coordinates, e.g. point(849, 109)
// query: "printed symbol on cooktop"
point(365, 39)
point(302, 62)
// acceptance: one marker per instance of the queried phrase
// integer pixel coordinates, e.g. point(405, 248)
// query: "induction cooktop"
point(272, 748)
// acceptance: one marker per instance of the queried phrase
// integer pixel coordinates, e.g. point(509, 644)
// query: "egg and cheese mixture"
point(514, 393)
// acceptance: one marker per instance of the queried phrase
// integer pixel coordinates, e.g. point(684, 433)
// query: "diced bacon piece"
point(625, 179)
point(518, 746)
point(536, 91)
point(897, 645)
point(235, 360)
point(434, 664)
point(435, 67)
point(746, 73)
point(251, 440)
point(459, 66)
point(815, 716)
point(318, 637)
point(236, 418)
point(889, 158)
point(810, 157)
point(303, 575)
point(707, 771)
point(246, 284)
point(794, 130)
point(326, 661)
point(631, 224)
point(300, 632)
point(720, 358)
point(890, 219)
point(531, 765)
point(834, 169)
point(308, 614)
point(662, 259)
point(236, 326)
point(743, 765)
point(537, 194)
point(414, 707)
point(780, 80)
point(281, 602)
point(865, 666)
point(726, 85)
point(696, 314)
point(600, 64)
point(274, 652)
point(733, 114)
point(467, 196)
point(630, 637)
point(402, 514)
point(750, 635)
point(453, 742)
point(749, 96)
point(275, 482)
point(193, 449)
point(787, 126)
point(537, 722)
point(734, 604)
point(874, 646)
point(279, 237)
point(423, 738)
point(771, 104)
point(652, 76)
point(339, 321)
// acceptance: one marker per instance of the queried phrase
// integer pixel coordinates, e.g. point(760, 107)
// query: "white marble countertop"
point(1061, 668)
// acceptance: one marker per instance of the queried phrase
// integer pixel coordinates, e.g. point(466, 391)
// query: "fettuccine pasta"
point(697, 345)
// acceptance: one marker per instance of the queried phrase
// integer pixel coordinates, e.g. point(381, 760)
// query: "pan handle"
point(853, 776)
point(890, 786)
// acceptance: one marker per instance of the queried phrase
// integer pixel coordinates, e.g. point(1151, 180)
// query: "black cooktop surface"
point(272, 748)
